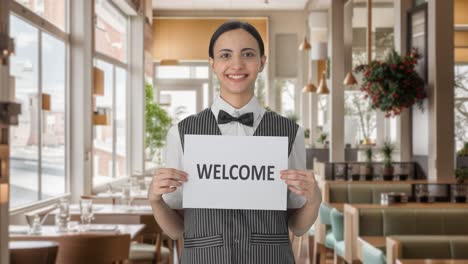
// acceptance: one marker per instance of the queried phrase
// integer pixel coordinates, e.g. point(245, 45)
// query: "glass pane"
point(24, 151)
point(461, 105)
point(360, 119)
point(120, 121)
point(110, 31)
point(103, 136)
point(52, 10)
point(181, 104)
point(287, 96)
point(172, 72)
point(201, 72)
point(53, 128)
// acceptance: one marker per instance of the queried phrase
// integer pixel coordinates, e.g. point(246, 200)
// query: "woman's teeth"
point(237, 76)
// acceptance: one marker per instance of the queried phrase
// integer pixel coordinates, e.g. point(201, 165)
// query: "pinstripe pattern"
point(236, 236)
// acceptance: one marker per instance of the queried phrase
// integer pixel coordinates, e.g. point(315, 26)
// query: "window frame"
point(114, 62)
point(42, 25)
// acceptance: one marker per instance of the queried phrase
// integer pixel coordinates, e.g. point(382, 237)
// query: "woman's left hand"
point(301, 182)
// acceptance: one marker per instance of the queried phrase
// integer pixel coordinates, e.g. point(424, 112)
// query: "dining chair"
point(152, 247)
point(42, 252)
point(96, 248)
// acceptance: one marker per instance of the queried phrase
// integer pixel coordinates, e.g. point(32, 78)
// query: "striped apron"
point(225, 236)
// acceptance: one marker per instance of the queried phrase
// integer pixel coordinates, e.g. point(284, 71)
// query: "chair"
point(42, 252)
point(90, 248)
point(100, 200)
point(153, 249)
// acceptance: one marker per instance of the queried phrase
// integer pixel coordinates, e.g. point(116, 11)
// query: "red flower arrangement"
point(393, 84)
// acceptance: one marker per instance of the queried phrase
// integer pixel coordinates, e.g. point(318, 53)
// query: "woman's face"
point(237, 62)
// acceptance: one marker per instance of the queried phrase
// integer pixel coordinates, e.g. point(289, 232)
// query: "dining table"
point(22, 232)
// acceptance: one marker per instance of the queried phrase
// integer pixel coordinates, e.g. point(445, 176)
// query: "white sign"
point(235, 172)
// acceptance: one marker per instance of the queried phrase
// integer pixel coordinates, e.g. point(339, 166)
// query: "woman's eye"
point(224, 55)
point(249, 54)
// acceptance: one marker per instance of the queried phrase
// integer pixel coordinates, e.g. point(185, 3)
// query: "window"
point(285, 89)
point(110, 30)
point(110, 148)
point(461, 105)
point(38, 143)
point(109, 145)
point(360, 119)
point(52, 10)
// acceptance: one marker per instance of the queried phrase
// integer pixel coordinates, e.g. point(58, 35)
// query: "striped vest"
point(224, 236)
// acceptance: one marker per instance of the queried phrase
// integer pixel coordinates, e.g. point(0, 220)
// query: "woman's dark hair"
point(235, 24)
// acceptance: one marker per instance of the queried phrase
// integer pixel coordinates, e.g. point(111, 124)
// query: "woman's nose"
point(237, 62)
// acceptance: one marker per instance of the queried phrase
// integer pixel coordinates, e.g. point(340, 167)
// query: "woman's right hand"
point(165, 180)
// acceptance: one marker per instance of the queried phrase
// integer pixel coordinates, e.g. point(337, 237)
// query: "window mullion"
point(114, 117)
point(39, 115)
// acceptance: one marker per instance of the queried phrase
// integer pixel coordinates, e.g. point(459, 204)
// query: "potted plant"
point(459, 190)
point(367, 169)
point(387, 151)
point(322, 139)
point(393, 84)
point(158, 123)
point(462, 156)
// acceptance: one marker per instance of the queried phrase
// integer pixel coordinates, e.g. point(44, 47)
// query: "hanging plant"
point(393, 84)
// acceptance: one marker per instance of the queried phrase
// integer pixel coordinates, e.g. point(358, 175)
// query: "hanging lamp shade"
point(350, 79)
point(305, 45)
point(309, 88)
point(323, 88)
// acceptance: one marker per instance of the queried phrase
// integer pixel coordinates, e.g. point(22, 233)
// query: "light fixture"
point(309, 88)
point(169, 62)
point(320, 53)
point(305, 45)
point(98, 81)
point(7, 47)
point(323, 88)
point(101, 116)
point(45, 102)
point(349, 79)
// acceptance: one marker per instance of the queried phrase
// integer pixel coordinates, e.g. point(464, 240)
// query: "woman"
point(236, 54)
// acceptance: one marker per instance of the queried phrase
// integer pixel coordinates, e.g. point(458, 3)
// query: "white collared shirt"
point(174, 153)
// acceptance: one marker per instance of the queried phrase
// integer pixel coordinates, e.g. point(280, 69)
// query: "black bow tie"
point(245, 119)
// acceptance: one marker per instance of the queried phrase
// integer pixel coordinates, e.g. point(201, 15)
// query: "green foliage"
point(393, 84)
point(387, 151)
point(368, 153)
point(464, 151)
point(307, 133)
point(292, 116)
point(461, 174)
point(158, 122)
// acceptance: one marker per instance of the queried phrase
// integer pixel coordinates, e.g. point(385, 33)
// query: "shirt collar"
point(252, 106)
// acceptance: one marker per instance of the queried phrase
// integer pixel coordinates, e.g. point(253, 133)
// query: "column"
point(441, 90)
point(336, 102)
point(81, 85)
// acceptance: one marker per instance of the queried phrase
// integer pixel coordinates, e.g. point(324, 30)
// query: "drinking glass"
point(86, 212)
point(63, 215)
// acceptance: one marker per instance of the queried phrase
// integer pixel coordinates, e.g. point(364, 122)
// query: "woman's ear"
point(262, 63)
point(211, 60)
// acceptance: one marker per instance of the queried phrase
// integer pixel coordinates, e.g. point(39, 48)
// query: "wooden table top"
point(381, 182)
point(432, 261)
point(19, 245)
point(411, 206)
point(109, 209)
point(17, 232)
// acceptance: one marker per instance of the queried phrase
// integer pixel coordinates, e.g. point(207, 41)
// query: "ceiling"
point(229, 4)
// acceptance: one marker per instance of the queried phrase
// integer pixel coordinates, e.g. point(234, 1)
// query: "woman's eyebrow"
point(245, 49)
point(224, 50)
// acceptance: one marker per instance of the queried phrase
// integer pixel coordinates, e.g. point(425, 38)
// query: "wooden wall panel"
point(461, 11)
point(188, 38)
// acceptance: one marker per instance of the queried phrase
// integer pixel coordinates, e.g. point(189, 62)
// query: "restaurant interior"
point(89, 89)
